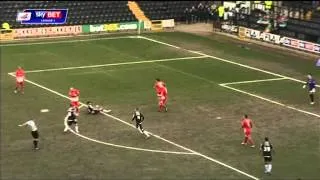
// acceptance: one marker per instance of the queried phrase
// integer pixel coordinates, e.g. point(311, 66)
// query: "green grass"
point(195, 100)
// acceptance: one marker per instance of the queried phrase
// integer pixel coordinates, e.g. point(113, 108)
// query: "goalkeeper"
point(95, 109)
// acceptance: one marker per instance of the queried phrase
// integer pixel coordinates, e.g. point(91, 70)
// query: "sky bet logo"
point(43, 16)
point(49, 14)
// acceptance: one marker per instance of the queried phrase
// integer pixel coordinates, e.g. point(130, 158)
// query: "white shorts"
point(74, 99)
point(20, 79)
point(312, 90)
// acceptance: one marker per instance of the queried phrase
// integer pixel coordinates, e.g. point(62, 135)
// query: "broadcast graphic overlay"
point(42, 16)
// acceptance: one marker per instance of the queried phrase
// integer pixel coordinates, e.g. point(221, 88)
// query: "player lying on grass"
point(311, 84)
point(95, 109)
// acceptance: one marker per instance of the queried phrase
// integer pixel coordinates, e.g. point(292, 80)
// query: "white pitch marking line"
point(81, 106)
point(224, 85)
point(156, 136)
point(101, 142)
point(271, 101)
point(224, 60)
point(253, 81)
point(115, 64)
point(65, 41)
point(129, 147)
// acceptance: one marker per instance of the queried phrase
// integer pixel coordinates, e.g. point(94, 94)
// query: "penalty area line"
point(115, 64)
point(156, 136)
point(224, 60)
point(271, 101)
point(254, 81)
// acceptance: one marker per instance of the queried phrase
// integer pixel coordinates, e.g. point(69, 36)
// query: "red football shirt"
point(20, 72)
point(74, 92)
point(158, 85)
point(246, 124)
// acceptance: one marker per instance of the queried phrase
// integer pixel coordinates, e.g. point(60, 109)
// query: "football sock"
point(77, 128)
point(251, 141)
point(35, 143)
point(311, 97)
point(269, 168)
point(140, 130)
point(266, 168)
point(245, 140)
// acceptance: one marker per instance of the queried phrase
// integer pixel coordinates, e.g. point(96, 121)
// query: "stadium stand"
point(156, 10)
point(80, 12)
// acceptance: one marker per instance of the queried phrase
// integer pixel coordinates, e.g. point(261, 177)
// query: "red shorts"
point(247, 132)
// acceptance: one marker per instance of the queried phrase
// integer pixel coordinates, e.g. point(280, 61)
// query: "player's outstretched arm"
point(20, 125)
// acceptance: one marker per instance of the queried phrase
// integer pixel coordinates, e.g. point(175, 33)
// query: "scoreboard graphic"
point(42, 16)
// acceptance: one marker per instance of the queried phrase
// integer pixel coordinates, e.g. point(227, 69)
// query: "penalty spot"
point(44, 110)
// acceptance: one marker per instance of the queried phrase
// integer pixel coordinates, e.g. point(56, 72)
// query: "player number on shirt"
point(266, 149)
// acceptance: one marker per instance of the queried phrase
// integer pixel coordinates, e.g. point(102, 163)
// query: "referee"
point(34, 132)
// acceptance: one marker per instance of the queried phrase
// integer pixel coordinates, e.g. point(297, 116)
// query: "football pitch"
point(212, 81)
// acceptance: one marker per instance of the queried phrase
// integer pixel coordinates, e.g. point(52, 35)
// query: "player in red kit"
point(20, 76)
point(162, 98)
point(74, 97)
point(246, 125)
point(158, 85)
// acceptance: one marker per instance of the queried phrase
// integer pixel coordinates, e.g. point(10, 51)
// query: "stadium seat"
point(84, 12)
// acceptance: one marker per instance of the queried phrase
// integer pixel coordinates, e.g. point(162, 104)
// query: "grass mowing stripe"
point(157, 136)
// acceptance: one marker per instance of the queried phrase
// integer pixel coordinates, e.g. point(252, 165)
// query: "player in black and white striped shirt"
point(267, 150)
point(139, 118)
point(34, 132)
point(71, 118)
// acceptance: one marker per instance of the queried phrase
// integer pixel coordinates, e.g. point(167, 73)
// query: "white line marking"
point(129, 147)
point(253, 81)
point(115, 64)
point(81, 106)
point(66, 41)
point(225, 60)
point(156, 136)
point(101, 142)
point(250, 94)
point(271, 101)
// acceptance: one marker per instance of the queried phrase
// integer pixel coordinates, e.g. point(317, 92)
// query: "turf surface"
point(195, 102)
